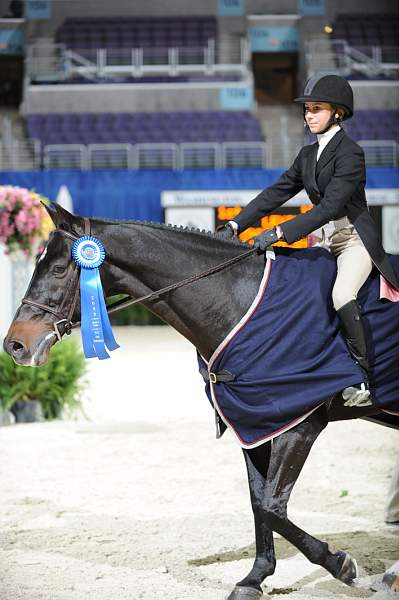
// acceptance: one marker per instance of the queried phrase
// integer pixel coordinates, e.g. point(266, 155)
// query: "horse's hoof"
point(349, 570)
point(391, 582)
point(245, 593)
point(391, 578)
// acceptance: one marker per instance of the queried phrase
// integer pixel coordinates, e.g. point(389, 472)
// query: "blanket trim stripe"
point(230, 336)
point(246, 317)
point(390, 412)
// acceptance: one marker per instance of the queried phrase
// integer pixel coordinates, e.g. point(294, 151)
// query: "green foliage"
point(57, 385)
point(133, 315)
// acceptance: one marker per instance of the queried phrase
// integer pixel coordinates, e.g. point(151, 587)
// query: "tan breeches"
point(354, 265)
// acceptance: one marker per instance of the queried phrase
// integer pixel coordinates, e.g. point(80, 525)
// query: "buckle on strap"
point(223, 376)
point(67, 328)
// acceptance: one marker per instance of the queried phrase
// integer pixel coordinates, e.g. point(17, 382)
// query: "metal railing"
point(204, 155)
point(20, 155)
point(246, 154)
point(57, 63)
point(28, 155)
point(110, 156)
point(329, 55)
point(156, 156)
point(201, 155)
point(65, 156)
point(380, 153)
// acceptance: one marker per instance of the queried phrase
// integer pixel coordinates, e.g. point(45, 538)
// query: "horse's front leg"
point(265, 561)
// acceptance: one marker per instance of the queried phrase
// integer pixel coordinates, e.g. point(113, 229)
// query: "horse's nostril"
point(16, 347)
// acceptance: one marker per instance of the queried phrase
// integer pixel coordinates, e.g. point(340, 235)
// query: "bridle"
point(64, 325)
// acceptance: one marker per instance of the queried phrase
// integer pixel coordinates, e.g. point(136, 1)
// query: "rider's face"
point(317, 115)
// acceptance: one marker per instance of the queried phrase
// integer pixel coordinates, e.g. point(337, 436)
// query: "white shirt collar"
point(324, 138)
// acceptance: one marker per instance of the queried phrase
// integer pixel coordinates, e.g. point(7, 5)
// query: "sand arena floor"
point(141, 502)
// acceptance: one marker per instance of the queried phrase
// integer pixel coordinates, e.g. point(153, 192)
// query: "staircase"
point(17, 153)
point(282, 128)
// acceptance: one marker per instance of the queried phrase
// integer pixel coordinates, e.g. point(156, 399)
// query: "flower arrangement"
point(24, 223)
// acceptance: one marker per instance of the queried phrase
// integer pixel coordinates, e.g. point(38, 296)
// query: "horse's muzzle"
point(28, 343)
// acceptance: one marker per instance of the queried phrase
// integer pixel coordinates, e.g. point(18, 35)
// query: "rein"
point(121, 304)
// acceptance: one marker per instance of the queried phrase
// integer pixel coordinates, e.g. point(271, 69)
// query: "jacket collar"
point(329, 151)
point(310, 170)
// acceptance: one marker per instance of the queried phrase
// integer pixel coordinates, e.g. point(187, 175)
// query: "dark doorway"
point(11, 79)
point(275, 76)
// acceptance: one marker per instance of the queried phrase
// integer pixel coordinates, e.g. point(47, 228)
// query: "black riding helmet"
point(329, 88)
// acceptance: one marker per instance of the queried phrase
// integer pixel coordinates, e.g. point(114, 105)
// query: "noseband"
point(67, 322)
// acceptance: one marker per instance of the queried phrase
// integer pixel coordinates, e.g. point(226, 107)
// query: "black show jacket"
point(335, 185)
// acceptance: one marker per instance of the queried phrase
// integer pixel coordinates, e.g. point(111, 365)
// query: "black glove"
point(265, 239)
point(225, 232)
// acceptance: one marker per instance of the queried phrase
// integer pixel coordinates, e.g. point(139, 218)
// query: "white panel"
point(390, 229)
point(6, 294)
point(201, 218)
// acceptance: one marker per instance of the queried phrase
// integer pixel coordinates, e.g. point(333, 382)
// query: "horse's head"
point(50, 303)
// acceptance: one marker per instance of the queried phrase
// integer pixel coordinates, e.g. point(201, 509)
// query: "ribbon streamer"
point(97, 336)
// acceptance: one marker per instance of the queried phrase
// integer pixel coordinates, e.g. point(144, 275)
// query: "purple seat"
point(86, 128)
point(169, 31)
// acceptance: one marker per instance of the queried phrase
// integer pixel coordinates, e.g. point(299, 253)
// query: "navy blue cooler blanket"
point(288, 354)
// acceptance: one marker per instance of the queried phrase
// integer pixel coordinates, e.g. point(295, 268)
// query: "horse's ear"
point(51, 210)
point(60, 216)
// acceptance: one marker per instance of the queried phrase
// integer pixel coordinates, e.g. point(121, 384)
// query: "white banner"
point(214, 198)
point(198, 217)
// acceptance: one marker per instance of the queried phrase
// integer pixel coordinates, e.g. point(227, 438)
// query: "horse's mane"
point(168, 227)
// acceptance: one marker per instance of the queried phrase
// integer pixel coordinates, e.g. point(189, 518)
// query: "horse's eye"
point(59, 270)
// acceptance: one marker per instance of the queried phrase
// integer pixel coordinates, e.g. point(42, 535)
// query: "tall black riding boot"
point(355, 335)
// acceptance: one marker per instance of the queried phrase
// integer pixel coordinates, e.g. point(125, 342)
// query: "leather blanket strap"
point(223, 376)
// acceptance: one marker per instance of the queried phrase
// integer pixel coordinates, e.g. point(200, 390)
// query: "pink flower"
point(21, 219)
point(7, 229)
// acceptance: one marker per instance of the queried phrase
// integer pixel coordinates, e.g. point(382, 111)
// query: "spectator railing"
point(28, 155)
point(55, 62)
point(110, 156)
point(245, 154)
point(65, 156)
point(156, 156)
point(20, 155)
point(380, 153)
point(329, 55)
point(200, 155)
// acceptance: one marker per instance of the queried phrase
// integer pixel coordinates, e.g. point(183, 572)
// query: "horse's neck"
point(145, 258)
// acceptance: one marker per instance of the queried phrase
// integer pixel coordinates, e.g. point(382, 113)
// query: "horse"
point(142, 258)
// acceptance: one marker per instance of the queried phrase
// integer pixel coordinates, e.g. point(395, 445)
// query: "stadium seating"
point(173, 127)
point(137, 32)
point(148, 140)
point(367, 29)
point(374, 125)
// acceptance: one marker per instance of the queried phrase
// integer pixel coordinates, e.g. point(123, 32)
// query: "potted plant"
point(24, 225)
point(47, 392)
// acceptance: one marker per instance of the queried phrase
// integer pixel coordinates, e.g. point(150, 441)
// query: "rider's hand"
point(266, 239)
point(225, 232)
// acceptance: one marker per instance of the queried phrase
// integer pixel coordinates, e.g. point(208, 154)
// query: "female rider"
point(332, 171)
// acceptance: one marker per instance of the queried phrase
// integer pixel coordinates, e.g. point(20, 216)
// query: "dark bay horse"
point(141, 258)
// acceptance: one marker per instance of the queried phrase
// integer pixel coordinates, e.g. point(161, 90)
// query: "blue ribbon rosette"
point(97, 334)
